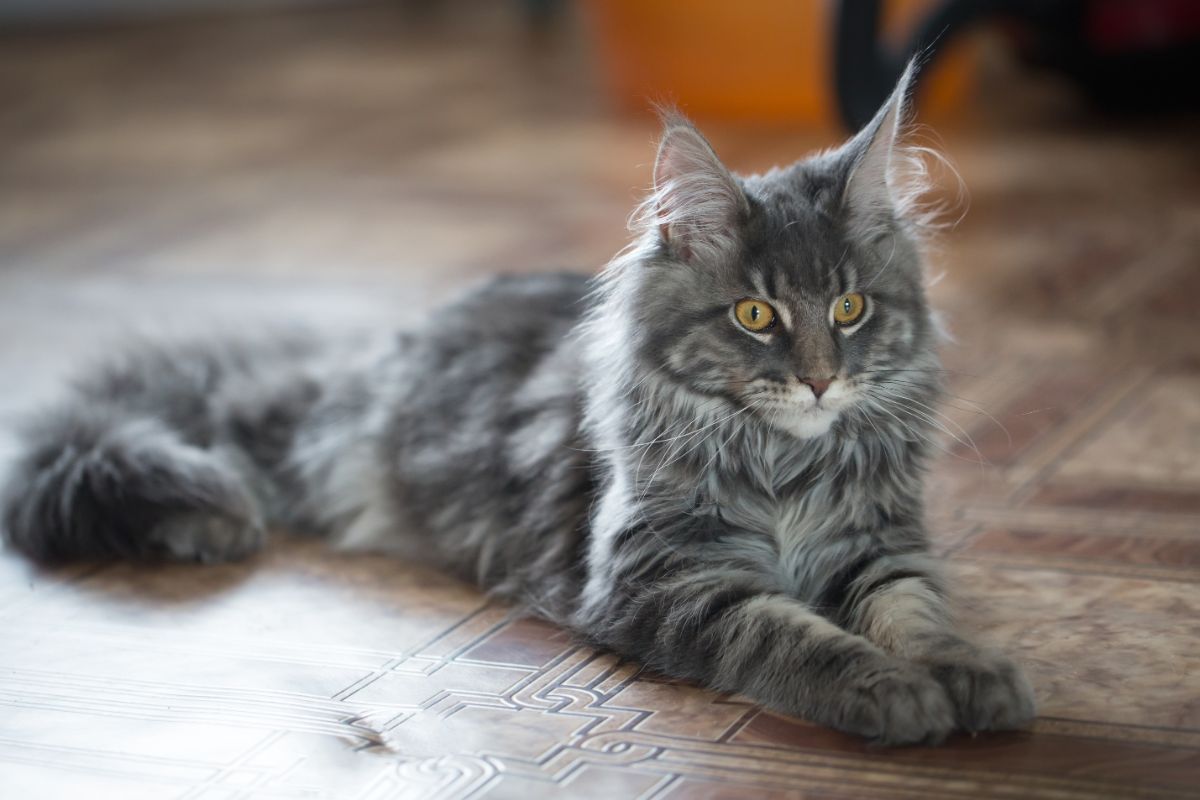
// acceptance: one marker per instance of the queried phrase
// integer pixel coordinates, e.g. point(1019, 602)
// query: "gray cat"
point(709, 459)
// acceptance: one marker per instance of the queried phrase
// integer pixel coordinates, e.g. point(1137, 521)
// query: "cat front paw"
point(896, 704)
point(207, 538)
point(989, 691)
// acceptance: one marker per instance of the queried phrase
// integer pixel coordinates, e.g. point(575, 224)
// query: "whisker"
point(897, 403)
point(838, 266)
point(929, 370)
point(886, 264)
point(721, 446)
point(672, 456)
point(973, 407)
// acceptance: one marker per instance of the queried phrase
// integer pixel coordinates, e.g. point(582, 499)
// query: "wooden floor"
point(352, 167)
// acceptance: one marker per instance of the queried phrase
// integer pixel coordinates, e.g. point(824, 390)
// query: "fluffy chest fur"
point(807, 509)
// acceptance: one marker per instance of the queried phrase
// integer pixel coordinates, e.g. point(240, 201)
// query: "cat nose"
point(818, 385)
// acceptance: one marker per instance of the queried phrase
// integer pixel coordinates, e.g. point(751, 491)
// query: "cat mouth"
point(804, 423)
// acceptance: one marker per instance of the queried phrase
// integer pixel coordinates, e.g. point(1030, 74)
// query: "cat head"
point(797, 294)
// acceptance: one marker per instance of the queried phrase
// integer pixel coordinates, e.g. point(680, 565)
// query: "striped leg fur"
point(898, 603)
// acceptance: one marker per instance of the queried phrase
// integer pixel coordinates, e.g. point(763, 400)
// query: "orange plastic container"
point(762, 60)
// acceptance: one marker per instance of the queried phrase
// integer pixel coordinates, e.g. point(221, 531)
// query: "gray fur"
point(617, 454)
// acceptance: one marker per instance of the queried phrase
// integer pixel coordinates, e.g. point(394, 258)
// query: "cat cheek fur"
point(587, 448)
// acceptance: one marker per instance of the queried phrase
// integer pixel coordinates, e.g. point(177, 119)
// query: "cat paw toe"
point(899, 706)
point(988, 690)
point(209, 539)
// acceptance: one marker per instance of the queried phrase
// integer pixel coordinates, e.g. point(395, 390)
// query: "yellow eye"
point(849, 308)
point(755, 315)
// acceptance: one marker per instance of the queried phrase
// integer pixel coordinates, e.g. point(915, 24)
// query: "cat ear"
point(874, 196)
point(696, 202)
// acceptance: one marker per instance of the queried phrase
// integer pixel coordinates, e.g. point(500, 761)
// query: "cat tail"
point(101, 482)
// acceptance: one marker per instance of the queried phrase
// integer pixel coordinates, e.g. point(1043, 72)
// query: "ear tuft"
point(696, 203)
point(887, 179)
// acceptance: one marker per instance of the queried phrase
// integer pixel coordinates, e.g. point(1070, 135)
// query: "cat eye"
point(754, 315)
point(848, 309)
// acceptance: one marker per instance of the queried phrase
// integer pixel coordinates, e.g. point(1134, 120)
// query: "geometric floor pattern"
point(350, 167)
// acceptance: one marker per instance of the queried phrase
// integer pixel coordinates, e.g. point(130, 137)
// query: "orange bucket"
point(758, 60)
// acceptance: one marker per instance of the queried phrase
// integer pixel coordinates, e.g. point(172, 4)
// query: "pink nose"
point(818, 385)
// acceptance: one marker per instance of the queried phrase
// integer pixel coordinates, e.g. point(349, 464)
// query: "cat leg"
point(725, 630)
point(93, 484)
point(898, 603)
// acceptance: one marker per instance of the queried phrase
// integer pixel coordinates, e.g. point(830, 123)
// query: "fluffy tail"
point(99, 483)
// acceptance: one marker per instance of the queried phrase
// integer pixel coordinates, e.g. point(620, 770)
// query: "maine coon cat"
point(708, 459)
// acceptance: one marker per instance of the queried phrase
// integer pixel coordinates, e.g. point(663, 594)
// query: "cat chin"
point(807, 424)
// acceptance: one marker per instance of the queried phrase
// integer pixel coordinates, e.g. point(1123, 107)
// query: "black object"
point(1126, 55)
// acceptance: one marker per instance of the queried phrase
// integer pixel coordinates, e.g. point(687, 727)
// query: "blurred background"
point(165, 149)
point(220, 164)
point(181, 152)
